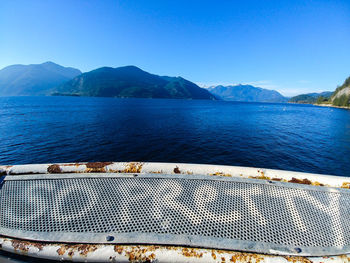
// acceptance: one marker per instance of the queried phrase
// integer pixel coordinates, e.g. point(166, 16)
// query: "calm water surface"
point(70, 129)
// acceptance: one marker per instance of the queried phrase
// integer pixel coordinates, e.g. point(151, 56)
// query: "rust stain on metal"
point(345, 258)
point(191, 252)
point(133, 168)
point(97, 165)
point(262, 177)
point(118, 249)
point(23, 246)
point(293, 180)
point(318, 184)
point(82, 249)
point(221, 174)
point(177, 170)
point(86, 249)
point(299, 181)
point(61, 250)
point(346, 185)
point(38, 246)
point(147, 253)
point(296, 259)
point(54, 169)
point(20, 246)
point(247, 257)
point(137, 253)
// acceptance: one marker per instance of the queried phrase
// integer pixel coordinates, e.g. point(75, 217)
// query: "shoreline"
point(332, 106)
point(323, 105)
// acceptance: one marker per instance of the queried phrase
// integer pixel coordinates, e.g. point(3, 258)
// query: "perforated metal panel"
point(224, 213)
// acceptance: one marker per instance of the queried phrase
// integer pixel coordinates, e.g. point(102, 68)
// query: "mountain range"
point(340, 97)
point(131, 82)
point(247, 93)
point(310, 98)
point(34, 79)
point(124, 82)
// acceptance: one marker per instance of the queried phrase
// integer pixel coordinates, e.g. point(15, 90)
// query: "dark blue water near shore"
point(70, 129)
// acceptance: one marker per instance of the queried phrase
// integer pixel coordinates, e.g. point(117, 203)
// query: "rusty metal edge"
point(143, 253)
point(178, 168)
point(175, 176)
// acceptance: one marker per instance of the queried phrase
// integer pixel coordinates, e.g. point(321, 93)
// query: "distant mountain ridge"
point(310, 98)
point(34, 79)
point(246, 93)
point(339, 98)
point(131, 82)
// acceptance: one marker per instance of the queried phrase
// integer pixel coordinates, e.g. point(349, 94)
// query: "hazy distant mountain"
point(310, 97)
point(35, 79)
point(128, 82)
point(246, 93)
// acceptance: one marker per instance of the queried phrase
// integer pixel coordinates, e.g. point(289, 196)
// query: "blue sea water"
point(74, 129)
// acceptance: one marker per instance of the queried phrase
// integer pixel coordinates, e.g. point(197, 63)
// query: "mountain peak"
point(129, 67)
point(49, 63)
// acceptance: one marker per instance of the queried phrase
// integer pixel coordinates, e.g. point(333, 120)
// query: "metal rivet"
point(110, 238)
point(298, 250)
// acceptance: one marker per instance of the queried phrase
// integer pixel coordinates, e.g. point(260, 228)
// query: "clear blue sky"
point(293, 46)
